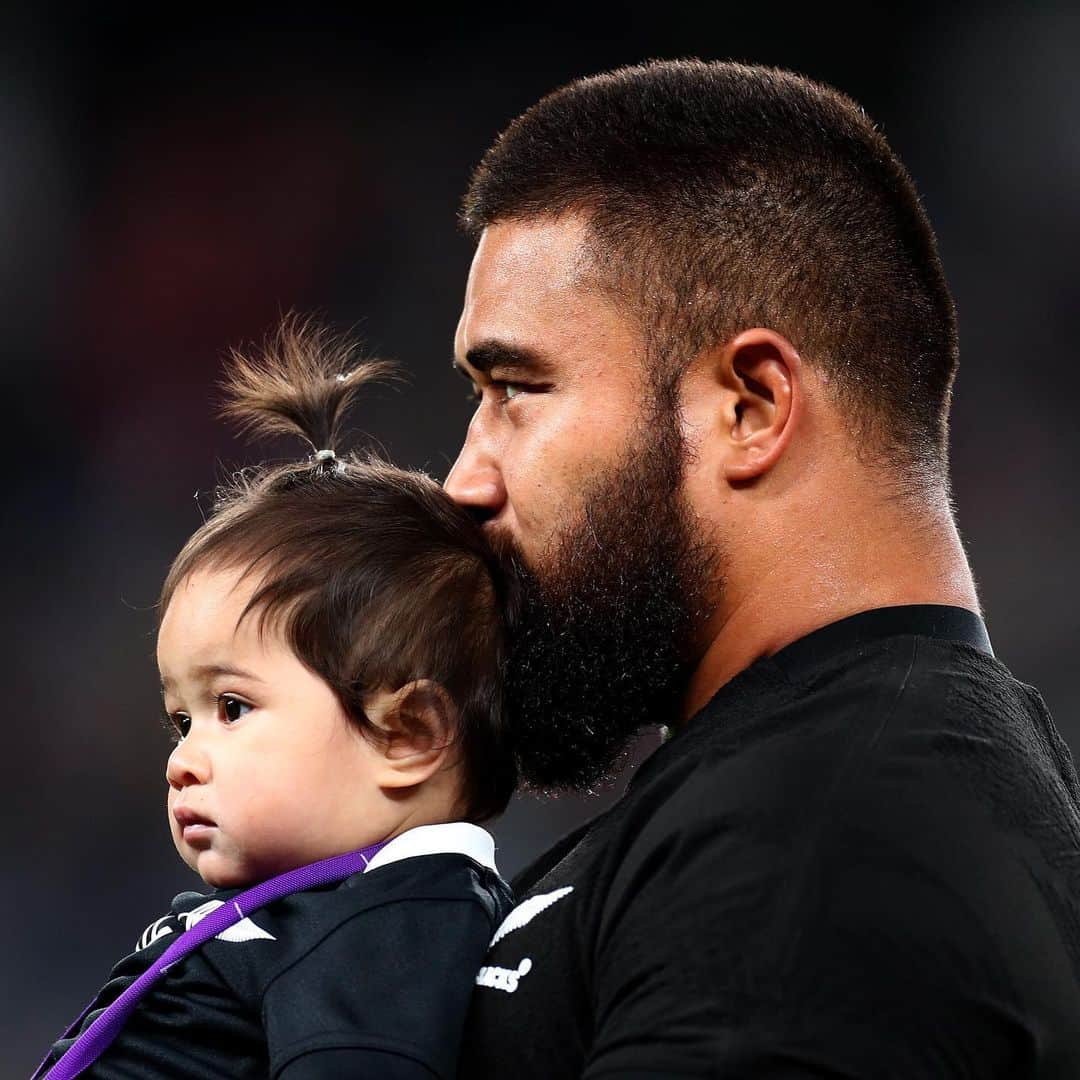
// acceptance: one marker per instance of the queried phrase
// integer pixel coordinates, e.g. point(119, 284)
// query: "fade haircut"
point(372, 573)
point(721, 196)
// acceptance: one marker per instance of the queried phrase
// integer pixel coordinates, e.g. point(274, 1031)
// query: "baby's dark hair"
point(374, 575)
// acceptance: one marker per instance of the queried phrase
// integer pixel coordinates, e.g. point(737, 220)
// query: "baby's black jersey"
point(369, 977)
point(861, 859)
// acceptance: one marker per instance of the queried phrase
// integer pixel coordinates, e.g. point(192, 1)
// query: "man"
point(713, 351)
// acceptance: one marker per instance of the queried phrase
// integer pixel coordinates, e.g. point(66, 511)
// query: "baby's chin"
point(221, 871)
point(220, 875)
point(223, 868)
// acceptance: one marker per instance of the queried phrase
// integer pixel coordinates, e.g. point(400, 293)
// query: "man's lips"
point(192, 825)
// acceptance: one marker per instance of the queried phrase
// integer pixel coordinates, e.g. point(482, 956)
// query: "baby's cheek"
point(256, 837)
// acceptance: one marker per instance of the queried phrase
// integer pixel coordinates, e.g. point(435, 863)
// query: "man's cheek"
point(539, 519)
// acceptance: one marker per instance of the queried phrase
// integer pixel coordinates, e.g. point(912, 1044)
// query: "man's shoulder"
point(907, 712)
point(853, 856)
point(897, 748)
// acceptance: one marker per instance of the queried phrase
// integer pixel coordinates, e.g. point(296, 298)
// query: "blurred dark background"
point(170, 182)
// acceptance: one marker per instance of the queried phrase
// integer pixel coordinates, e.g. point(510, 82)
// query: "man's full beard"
point(600, 643)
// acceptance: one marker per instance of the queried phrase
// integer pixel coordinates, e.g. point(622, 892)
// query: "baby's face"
point(268, 773)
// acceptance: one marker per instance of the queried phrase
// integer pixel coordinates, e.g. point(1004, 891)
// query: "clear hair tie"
point(325, 455)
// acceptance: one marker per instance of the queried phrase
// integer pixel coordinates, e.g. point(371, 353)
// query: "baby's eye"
point(232, 708)
point(178, 723)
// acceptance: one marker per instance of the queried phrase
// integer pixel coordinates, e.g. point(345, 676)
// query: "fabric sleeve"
point(355, 1065)
point(395, 979)
point(757, 943)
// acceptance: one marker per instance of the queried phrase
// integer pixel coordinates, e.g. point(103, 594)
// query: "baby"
point(329, 645)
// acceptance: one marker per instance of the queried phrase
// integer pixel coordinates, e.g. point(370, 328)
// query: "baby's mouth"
point(193, 826)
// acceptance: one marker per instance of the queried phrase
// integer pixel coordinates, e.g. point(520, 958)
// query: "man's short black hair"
point(722, 196)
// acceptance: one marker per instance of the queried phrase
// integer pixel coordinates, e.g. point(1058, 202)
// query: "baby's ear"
point(417, 724)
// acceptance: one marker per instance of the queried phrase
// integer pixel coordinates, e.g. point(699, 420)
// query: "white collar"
point(460, 837)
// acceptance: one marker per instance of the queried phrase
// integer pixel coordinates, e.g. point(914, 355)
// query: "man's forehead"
point(543, 252)
point(530, 285)
point(523, 264)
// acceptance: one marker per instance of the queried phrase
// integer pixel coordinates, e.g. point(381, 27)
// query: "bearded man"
point(713, 350)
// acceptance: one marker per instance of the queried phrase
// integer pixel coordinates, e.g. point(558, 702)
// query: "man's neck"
point(885, 565)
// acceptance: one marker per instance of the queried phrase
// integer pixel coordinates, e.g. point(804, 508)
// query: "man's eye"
point(232, 708)
point(503, 391)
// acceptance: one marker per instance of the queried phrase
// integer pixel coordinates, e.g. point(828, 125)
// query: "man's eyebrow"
point(206, 672)
point(491, 354)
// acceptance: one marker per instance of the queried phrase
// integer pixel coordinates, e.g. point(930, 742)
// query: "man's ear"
point(416, 723)
point(759, 376)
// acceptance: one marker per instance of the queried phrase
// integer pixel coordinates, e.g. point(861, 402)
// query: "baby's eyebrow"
point(206, 672)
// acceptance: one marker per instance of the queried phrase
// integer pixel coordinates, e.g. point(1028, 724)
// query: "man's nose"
point(475, 481)
point(188, 764)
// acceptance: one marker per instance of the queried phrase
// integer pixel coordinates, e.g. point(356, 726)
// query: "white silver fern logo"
point(244, 930)
point(526, 911)
point(157, 929)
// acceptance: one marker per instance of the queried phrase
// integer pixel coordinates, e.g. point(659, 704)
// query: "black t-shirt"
point(860, 860)
point(369, 977)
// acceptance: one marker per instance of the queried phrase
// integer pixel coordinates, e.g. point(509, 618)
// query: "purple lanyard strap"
point(93, 1042)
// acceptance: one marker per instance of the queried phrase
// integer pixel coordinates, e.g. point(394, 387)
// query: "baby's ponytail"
point(302, 382)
